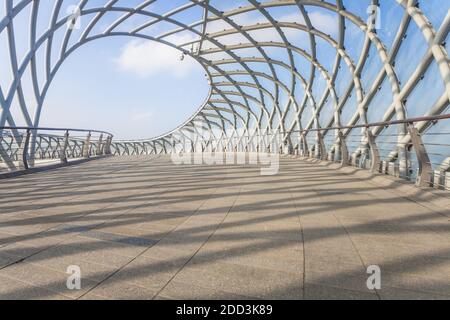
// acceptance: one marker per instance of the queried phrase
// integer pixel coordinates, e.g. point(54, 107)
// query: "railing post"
point(404, 162)
point(317, 147)
point(144, 147)
point(65, 145)
point(374, 153)
point(425, 169)
point(304, 143)
point(87, 146)
point(447, 181)
point(289, 145)
point(344, 150)
point(5, 154)
point(23, 151)
point(100, 147)
point(108, 145)
point(322, 149)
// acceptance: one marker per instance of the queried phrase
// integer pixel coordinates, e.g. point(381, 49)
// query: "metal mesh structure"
point(276, 67)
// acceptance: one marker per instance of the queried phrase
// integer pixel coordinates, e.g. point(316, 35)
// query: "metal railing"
point(22, 148)
point(416, 149)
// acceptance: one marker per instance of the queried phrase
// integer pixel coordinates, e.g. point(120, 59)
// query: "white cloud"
point(140, 116)
point(324, 21)
point(147, 58)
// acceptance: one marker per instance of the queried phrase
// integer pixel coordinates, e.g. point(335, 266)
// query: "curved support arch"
point(288, 85)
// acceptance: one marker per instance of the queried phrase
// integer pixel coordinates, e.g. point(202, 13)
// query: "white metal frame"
point(222, 111)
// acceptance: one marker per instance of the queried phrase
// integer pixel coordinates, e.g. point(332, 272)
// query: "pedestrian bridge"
point(318, 167)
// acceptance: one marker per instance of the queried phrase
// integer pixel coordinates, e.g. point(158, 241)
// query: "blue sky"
point(139, 89)
point(105, 85)
point(93, 90)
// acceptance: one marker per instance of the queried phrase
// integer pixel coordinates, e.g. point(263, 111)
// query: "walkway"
point(143, 228)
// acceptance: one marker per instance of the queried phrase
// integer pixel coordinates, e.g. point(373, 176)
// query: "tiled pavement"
point(143, 228)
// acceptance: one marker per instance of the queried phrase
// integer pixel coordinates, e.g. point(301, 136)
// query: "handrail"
point(56, 129)
point(26, 151)
point(383, 124)
point(369, 125)
point(413, 140)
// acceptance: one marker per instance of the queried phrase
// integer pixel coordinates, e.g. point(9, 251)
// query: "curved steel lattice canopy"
point(274, 65)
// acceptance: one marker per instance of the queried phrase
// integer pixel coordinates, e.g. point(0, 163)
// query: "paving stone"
point(44, 278)
point(6, 260)
point(273, 254)
point(149, 273)
point(242, 280)
point(116, 290)
point(219, 232)
point(323, 292)
point(388, 293)
point(11, 289)
point(183, 291)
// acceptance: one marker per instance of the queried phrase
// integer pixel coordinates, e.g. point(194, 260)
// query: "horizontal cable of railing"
point(368, 125)
point(56, 129)
point(383, 124)
point(21, 146)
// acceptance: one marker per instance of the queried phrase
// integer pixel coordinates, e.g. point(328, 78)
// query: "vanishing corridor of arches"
point(280, 72)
